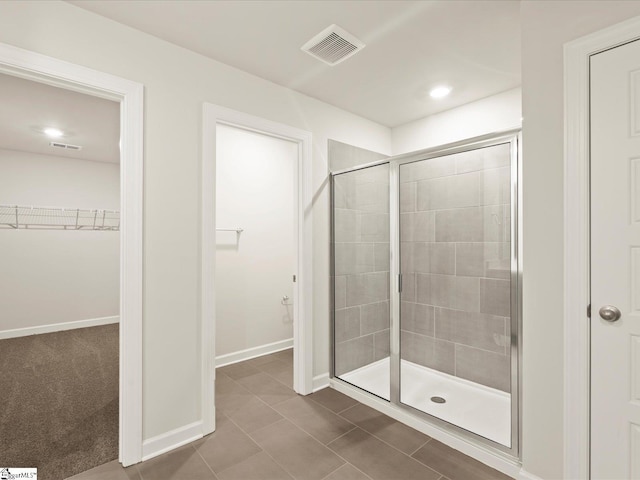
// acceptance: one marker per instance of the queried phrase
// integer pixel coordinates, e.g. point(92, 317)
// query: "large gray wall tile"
point(381, 345)
point(352, 258)
point(344, 225)
point(428, 351)
point(367, 288)
point(408, 293)
point(340, 294)
point(408, 197)
point(417, 318)
point(372, 197)
point(461, 293)
point(347, 324)
point(432, 168)
point(488, 368)
point(471, 328)
point(417, 227)
point(353, 354)
point(495, 186)
point(491, 260)
point(449, 192)
point(372, 227)
point(495, 297)
point(483, 158)
point(473, 224)
point(470, 161)
point(423, 289)
point(422, 257)
point(374, 317)
point(381, 254)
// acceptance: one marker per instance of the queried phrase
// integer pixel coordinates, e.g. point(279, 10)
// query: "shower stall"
point(426, 283)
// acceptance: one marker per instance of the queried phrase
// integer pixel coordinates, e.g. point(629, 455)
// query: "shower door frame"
point(514, 138)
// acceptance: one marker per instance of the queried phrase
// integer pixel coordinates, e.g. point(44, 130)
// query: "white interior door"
point(615, 263)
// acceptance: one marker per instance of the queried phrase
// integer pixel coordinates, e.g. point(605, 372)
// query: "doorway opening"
point(265, 261)
point(255, 248)
point(17, 62)
point(59, 224)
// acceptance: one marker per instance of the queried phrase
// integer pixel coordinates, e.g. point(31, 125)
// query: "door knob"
point(610, 313)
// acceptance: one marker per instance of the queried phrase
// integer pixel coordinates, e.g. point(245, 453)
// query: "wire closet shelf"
point(51, 218)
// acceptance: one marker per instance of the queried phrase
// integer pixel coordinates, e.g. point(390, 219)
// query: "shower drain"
point(438, 400)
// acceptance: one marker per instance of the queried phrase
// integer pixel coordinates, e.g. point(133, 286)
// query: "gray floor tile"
point(332, 399)
point(281, 371)
point(347, 472)
point(379, 460)
point(454, 464)
point(314, 419)
point(254, 414)
point(257, 467)
point(257, 361)
point(236, 371)
point(284, 355)
point(109, 471)
point(226, 447)
point(176, 465)
point(386, 428)
point(300, 454)
point(267, 388)
point(230, 395)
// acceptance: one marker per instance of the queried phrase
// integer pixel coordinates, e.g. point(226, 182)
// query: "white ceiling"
point(474, 46)
point(28, 107)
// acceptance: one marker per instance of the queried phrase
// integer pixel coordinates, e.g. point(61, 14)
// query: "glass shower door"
point(455, 303)
point(361, 256)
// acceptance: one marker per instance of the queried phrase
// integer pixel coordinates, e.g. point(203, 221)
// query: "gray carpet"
point(59, 401)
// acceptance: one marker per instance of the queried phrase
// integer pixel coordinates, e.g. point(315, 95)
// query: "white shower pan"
point(482, 410)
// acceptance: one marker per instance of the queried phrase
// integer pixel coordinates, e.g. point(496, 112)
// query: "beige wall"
point(177, 82)
point(546, 27)
point(488, 115)
point(53, 276)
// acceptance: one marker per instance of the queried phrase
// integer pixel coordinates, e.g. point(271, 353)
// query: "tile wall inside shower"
point(455, 261)
point(361, 236)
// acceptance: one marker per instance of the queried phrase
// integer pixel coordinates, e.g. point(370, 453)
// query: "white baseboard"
point(524, 475)
point(253, 352)
point(58, 327)
point(168, 441)
point(320, 382)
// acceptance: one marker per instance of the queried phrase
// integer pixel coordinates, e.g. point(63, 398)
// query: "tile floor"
point(266, 431)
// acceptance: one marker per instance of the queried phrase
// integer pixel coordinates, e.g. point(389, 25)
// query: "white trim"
point(321, 381)
point(502, 463)
point(171, 440)
point(303, 289)
point(576, 239)
point(27, 64)
point(253, 352)
point(57, 327)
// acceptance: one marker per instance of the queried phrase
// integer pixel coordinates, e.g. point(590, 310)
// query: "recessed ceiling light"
point(53, 132)
point(440, 92)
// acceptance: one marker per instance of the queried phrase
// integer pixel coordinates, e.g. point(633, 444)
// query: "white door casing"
point(615, 262)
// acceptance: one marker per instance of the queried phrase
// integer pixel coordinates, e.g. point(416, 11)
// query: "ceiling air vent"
point(65, 145)
point(333, 45)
